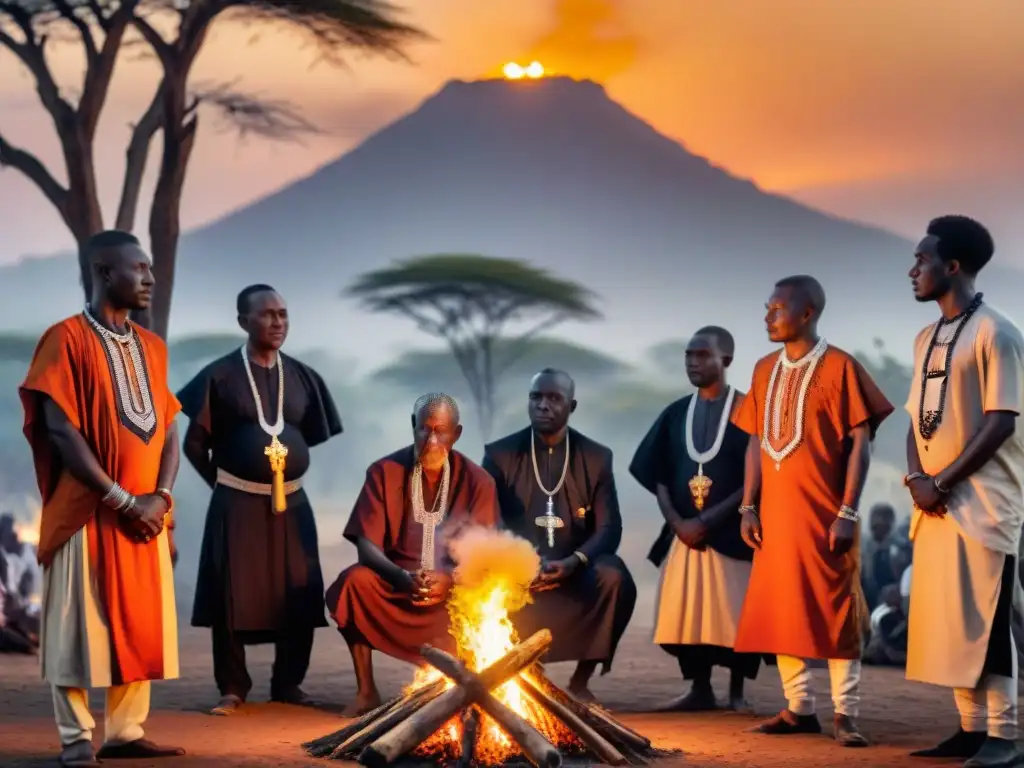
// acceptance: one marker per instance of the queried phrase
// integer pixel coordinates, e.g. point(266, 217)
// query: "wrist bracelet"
point(748, 508)
point(583, 558)
point(913, 476)
point(849, 513)
point(168, 498)
point(118, 499)
point(939, 487)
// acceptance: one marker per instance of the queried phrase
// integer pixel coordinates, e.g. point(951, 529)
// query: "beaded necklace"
point(928, 421)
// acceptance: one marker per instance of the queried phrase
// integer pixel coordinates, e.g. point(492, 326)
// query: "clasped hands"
point(146, 518)
point(554, 572)
point(926, 495)
point(428, 588)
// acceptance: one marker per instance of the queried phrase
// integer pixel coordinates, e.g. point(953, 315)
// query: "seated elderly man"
point(393, 600)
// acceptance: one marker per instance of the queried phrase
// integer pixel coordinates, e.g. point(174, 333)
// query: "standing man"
point(692, 461)
point(811, 412)
point(966, 475)
point(253, 416)
point(99, 419)
point(556, 488)
point(393, 599)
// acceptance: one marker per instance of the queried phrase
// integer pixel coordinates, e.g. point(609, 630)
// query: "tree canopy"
point(470, 301)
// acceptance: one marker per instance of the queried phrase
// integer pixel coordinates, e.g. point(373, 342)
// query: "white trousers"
point(127, 708)
point(798, 688)
point(991, 707)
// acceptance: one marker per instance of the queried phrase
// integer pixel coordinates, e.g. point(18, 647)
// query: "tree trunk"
point(179, 132)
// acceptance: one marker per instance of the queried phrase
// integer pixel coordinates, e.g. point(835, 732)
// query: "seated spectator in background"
point(888, 640)
point(19, 623)
point(876, 562)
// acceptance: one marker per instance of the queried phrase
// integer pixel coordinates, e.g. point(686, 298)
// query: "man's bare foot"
point(227, 705)
point(363, 703)
point(697, 700)
point(582, 693)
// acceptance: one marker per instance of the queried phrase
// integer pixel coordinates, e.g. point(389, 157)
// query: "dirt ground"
point(898, 716)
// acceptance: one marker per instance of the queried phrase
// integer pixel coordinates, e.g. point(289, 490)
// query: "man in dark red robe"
point(412, 502)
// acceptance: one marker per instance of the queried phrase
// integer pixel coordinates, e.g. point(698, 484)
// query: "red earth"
point(898, 716)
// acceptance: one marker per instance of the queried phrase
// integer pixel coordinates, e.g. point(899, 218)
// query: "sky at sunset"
point(886, 112)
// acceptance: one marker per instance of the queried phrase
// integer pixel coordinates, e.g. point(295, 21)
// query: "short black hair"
point(724, 340)
point(108, 238)
point(242, 302)
point(809, 287)
point(964, 240)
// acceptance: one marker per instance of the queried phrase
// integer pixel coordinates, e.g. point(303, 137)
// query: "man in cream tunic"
point(966, 476)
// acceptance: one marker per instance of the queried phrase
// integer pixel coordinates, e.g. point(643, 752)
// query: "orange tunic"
point(803, 600)
point(73, 368)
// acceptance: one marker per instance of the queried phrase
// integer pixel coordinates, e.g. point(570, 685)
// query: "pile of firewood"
point(395, 729)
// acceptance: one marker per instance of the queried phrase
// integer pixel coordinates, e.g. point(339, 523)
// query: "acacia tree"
point(174, 32)
point(469, 301)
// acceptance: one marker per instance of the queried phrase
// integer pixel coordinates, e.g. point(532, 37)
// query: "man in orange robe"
point(812, 411)
point(99, 419)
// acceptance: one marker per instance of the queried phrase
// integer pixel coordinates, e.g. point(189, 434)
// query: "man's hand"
point(840, 535)
point(431, 588)
point(750, 530)
point(148, 516)
point(553, 573)
point(926, 496)
point(692, 533)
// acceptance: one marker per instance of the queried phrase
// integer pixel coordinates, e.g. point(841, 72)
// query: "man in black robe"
point(692, 460)
point(585, 594)
point(259, 568)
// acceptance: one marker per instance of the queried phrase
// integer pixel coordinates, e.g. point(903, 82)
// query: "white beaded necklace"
point(707, 456)
point(277, 428)
point(773, 401)
point(429, 520)
point(137, 406)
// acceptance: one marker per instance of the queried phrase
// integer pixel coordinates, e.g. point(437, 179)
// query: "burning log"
point(594, 741)
point(536, 748)
point(365, 729)
point(421, 725)
point(470, 727)
point(597, 717)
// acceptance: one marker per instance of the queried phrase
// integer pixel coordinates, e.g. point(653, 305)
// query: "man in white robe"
point(966, 475)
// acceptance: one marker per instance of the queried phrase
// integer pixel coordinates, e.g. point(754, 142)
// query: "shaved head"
point(563, 380)
point(808, 289)
point(122, 272)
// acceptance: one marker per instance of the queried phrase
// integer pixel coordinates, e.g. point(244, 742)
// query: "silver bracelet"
point(849, 513)
point(748, 508)
point(582, 558)
point(939, 487)
point(117, 498)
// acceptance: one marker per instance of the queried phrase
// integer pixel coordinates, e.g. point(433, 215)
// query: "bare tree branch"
point(88, 41)
point(252, 114)
point(136, 156)
point(32, 167)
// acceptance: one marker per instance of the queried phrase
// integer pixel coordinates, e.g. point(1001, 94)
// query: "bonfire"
point(491, 704)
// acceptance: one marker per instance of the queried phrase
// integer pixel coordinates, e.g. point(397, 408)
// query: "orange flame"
point(479, 607)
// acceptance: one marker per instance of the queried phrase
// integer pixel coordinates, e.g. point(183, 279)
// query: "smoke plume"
point(589, 38)
point(481, 554)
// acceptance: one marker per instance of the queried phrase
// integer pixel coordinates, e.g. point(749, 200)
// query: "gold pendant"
point(276, 452)
point(700, 486)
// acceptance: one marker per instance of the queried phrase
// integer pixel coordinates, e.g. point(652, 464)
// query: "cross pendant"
point(549, 521)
